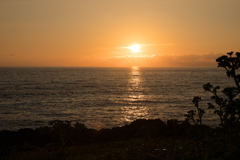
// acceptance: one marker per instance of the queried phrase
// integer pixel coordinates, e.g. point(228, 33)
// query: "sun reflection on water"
point(135, 110)
point(134, 81)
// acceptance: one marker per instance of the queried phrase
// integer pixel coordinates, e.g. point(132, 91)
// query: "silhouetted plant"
point(227, 109)
point(200, 112)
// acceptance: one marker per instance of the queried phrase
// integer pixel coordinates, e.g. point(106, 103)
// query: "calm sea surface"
point(102, 97)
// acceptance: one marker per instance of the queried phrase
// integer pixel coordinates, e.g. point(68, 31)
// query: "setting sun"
point(135, 48)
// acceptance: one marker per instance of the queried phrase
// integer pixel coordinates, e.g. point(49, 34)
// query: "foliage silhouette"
point(191, 113)
point(228, 109)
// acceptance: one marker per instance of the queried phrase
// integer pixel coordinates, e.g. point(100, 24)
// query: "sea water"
point(103, 97)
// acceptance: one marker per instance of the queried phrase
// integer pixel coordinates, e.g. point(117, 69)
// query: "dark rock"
point(79, 135)
point(148, 123)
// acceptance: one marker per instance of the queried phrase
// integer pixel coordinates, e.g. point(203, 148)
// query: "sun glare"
point(135, 48)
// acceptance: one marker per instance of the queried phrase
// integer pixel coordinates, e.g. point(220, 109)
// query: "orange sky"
point(96, 33)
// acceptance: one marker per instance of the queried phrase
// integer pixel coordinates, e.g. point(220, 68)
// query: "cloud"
point(189, 60)
point(196, 57)
point(146, 45)
point(157, 60)
point(125, 51)
point(142, 56)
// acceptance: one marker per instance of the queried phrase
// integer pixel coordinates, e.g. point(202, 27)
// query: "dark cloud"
point(188, 60)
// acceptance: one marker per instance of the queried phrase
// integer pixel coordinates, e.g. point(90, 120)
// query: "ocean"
point(103, 97)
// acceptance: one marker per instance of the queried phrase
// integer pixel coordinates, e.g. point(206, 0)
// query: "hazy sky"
point(170, 33)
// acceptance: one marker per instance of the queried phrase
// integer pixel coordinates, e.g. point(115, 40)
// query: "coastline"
point(62, 135)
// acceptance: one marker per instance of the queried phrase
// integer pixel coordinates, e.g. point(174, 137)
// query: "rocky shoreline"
point(62, 134)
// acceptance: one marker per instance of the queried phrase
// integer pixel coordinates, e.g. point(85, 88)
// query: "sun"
point(135, 48)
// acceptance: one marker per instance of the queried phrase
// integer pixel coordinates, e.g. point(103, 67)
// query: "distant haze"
point(98, 33)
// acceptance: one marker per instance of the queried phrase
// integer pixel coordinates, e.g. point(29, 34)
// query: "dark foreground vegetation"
point(142, 139)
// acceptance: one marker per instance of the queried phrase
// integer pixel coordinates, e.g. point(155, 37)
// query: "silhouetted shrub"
point(226, 107)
